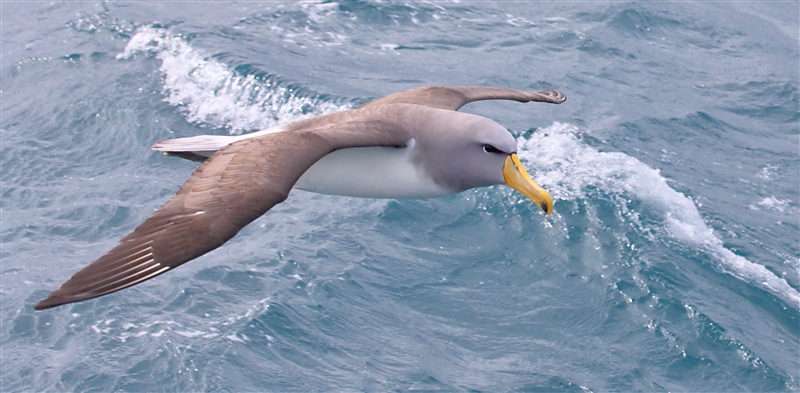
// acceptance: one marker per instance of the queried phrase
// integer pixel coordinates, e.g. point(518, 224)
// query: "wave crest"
point(568, 168)
point(212, 94)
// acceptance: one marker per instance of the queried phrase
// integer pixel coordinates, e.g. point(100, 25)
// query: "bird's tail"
point(200, 147)
point(195, 148)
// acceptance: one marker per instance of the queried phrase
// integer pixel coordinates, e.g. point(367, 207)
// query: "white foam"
point(318, 11)
point(190, 334)
point(768, 172)
point(568, 168)
point(212, 94)
point(772, 203)
point(233, 337)
point(390, 47)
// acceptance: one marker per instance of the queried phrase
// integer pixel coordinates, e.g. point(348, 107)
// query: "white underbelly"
point(370, 172)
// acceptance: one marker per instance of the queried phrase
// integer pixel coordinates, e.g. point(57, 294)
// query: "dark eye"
point(491, 149)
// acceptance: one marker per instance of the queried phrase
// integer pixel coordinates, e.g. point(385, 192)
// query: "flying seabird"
point(412, 144)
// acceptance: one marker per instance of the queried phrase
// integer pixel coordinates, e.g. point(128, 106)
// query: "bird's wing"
point(454, 97)
point(235, 186)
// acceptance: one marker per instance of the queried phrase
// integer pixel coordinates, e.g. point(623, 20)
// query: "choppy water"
point(671, 261)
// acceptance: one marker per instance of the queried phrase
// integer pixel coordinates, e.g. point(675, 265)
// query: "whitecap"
point(212, 94)
point(233, 337)
point(568, 167)
point(772, 203)
point(318, 11)
point(190, 334)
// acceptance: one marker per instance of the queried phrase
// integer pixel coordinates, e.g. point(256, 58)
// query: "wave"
point(568, 168)
point(227, 328)
point(212, 94)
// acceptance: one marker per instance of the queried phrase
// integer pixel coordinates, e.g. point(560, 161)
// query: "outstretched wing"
point(235, 186)
point(454, 97)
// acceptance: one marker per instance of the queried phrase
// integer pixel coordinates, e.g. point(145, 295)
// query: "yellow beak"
point(520, 180)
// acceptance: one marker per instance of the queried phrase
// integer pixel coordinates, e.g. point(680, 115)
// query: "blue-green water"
point(670, 263)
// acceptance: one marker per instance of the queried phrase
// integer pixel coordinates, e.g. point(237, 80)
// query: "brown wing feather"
point(235, 186)
point(454, 97)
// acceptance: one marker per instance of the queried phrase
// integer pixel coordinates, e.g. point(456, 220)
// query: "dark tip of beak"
point(543, 206)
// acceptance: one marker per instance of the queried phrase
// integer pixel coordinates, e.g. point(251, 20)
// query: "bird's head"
point(467, 151)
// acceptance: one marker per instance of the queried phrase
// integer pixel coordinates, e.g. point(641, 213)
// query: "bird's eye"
point(491, 149)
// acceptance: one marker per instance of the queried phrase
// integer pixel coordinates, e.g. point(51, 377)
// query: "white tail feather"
point(206, 145)
point(195, 144)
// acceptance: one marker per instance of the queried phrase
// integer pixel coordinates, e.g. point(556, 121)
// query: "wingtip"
point(553, 96)
point(48, 302)
point(60, 297)
point(55, 299)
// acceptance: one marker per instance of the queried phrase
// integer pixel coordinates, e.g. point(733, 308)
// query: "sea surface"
point(671, 262)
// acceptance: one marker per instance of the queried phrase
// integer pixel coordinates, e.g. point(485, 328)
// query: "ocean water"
point(671, 262)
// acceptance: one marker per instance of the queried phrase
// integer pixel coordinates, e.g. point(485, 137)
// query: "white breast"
point(370, 172)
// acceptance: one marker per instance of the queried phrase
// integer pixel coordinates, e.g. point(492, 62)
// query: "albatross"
point(411, 144)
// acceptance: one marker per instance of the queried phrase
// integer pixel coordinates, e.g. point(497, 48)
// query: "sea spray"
point(214, 95)
point(568, 167)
